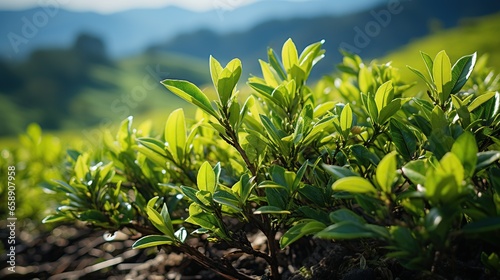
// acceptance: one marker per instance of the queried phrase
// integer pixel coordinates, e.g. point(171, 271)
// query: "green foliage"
point(350, 158)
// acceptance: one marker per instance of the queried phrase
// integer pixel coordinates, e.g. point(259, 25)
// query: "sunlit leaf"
point(354, 185)
point(191, 93)
point(152, 240)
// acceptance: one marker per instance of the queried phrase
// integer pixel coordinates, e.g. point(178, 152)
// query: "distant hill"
point(130, 32)
point(371, 33)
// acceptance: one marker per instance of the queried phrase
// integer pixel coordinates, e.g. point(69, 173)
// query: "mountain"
point(130, 32)
point(372, 33)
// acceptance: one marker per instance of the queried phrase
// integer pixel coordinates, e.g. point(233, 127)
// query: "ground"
point(80, 252)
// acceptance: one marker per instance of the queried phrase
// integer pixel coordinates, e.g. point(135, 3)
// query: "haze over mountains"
point(130, 32)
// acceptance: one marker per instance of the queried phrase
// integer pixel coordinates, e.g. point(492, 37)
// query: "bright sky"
point(111, 6)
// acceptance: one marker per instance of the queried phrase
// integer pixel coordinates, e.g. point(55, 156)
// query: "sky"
point(112, 6)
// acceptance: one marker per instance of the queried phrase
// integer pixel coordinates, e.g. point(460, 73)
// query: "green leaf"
point(465, 148)
point(480, 100)
point(215, 70)
point(441, 72)
point(304, 227)
point(386, 172)
point(346, 120)
point(461, 71)
point(191, 93)
point(158, 221)
point(346, 230)
point(346, 215)
point(267, 209)
point(55, 218)
point(384, 95)
point(175, 134)
point(152, 240)
point(227, 198)
point(93, 216)
point(289, 55)
point(276, 64)
point(483, 226)
point(206, 178)
point(181, 234)
point(389, 110)
point(202, 219)
point(421, 76)
point(415, 171)
point(81, 168)
point(365, 80)
point(166, 218)
point(339, 172)
point(371, 107)
point(228, 79)
point(268, 74)
point(429, 64)
point(484, 159)
point(354, 185)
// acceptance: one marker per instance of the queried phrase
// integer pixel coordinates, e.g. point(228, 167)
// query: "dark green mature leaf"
point(461, 71)
point(364, 156)
point(191, 93)
point(304, 227)
point(345, 214)
point(347, 230)
point(485, 225)
point(484, 159)
point(339, 172)
point(227, 198)
point(389, 110)
point(93, 216)
point(152, 240)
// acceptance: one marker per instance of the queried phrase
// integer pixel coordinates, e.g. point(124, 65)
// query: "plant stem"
point(218, 267)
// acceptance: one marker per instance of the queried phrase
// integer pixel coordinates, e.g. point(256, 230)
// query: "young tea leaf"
point(354, 185)
point(175, 134)
point(152, 240)
point(386, 172)
point(441, 72)
point(191, 93)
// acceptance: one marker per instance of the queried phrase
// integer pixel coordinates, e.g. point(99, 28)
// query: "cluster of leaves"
point(37, 159)
point(351, 158)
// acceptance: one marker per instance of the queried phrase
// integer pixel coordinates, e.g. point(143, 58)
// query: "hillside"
point(409, 20)
point(478, 34)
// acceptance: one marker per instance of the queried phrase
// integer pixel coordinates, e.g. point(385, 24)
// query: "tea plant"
point(352, 157)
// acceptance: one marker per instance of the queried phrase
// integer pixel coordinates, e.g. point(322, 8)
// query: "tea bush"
point(352, 157)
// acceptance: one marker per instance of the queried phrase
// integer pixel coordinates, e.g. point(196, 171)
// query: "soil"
point(79, 252)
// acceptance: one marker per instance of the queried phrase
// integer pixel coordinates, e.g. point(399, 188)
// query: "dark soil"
point(72, 252)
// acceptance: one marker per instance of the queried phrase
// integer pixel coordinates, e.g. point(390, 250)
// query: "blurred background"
point(74, 67)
